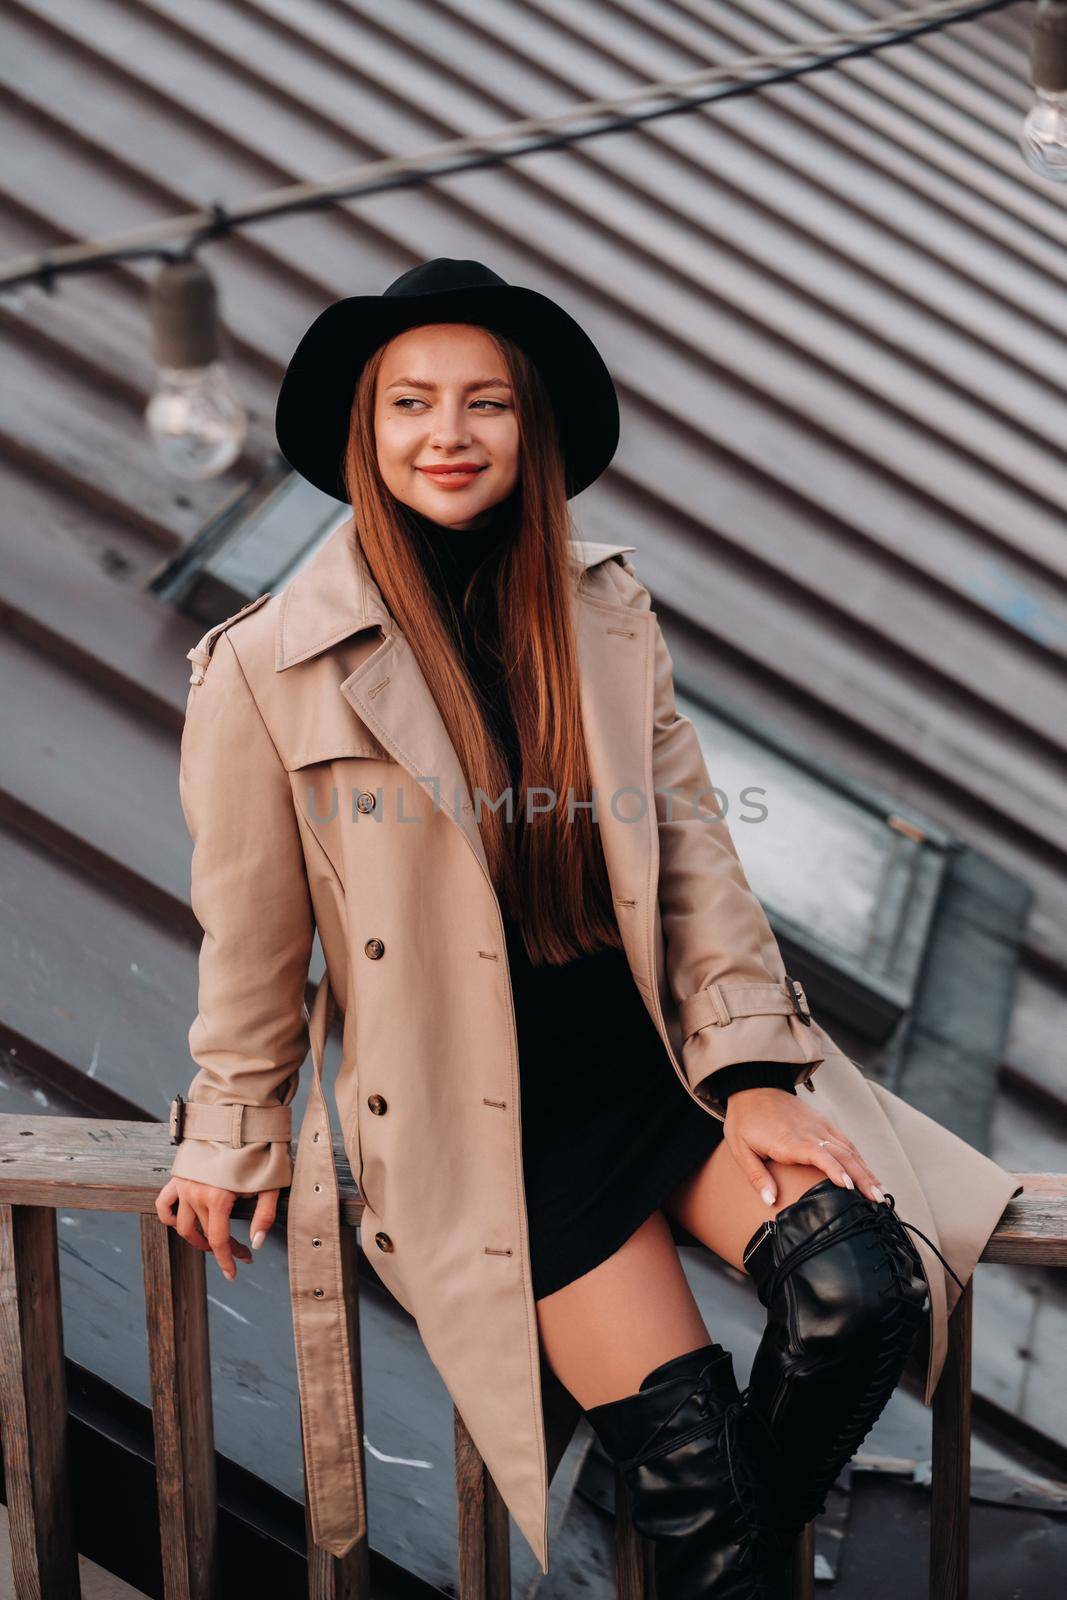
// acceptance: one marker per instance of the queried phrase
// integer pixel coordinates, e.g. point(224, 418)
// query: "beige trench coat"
point(321, 790)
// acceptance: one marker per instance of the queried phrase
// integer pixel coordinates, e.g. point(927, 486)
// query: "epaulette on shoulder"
point(200, 654)
point(587, 553)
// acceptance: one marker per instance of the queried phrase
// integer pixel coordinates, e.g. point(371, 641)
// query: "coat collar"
point(334, 595)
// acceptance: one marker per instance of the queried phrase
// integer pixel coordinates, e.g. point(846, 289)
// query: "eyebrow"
point(421, 383)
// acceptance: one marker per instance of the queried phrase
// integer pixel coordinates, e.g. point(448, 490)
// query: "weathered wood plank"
point(33, 1407)
point(483, 1549)
point(1033, 1228)
point(179, 1369)
point(85, 1163)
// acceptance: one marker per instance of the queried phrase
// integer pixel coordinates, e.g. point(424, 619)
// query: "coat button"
point(378, 1104)
point(383, 1241)
point(365, 801)
point(374, 948)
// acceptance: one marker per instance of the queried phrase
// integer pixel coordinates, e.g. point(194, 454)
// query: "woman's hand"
point(774, 1123)
point(203, 1219)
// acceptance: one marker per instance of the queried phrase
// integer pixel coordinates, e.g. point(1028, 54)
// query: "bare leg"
point(605, 1331)
point(719, 1206)
point(678, 1441)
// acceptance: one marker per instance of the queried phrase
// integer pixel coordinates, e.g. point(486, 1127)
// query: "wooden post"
point(344, 1577)
point(482, 1525)
point(179, 1374)
point(635, 1577)
point(804, 1563)
point(950, 1497)
point(33, 1407)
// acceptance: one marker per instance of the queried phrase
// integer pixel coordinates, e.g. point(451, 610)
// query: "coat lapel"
point(335, 596)
point(390, 694)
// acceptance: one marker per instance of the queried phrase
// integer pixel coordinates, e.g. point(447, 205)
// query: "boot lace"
point(759, 1544)
point(896, 1332)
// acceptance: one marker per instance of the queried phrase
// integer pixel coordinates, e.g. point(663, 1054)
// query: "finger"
point(219, 1236)
point(263, 1217)
point(166, 1200)
point(864, 1178)
point(755, 1171)
point(839, 1136)
point(222, 1242)
point(188, 1225)
point(823, 1157)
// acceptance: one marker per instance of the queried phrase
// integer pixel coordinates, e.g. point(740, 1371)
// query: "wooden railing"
point(78, 1163)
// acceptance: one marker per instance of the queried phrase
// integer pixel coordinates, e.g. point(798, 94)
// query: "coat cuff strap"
point(235, 1125)
point(718, 1004)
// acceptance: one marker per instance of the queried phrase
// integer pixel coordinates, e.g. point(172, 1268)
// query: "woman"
point(569, 1019)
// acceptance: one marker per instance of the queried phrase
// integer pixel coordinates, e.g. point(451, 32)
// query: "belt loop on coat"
point(332, 1445)
point(722, 1010)
point(237, 1119)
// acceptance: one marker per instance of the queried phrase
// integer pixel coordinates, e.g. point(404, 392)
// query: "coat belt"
point(333, 1454)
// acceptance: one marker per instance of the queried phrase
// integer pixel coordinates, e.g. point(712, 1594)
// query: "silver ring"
point(824, 1141)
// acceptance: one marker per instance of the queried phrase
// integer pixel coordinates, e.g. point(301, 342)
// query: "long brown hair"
point(549, 872)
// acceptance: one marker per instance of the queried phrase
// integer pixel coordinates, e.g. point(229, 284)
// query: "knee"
point(793, 1179)
point(838, 1295)
point(859, 1288)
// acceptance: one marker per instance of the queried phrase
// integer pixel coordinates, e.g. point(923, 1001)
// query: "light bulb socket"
point(184, 310)
point(1048, 46)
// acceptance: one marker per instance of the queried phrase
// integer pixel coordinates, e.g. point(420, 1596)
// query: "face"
point(443, 400)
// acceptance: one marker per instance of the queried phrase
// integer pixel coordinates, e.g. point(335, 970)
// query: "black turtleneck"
point(450, 558)
point(451, 555)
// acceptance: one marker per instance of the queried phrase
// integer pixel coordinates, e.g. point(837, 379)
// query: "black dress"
point(607, 1128)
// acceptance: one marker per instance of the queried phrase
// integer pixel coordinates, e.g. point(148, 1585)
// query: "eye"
point(408, 399)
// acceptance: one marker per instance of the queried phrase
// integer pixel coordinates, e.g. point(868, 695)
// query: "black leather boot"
point(681, 1443)
point(845, 1294)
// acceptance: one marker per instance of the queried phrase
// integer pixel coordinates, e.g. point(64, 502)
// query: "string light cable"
point(178, 237)
point(195, 417)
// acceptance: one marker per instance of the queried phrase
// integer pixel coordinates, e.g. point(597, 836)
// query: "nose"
point(451, 427)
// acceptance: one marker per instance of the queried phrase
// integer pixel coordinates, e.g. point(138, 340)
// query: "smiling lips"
point(453, 477)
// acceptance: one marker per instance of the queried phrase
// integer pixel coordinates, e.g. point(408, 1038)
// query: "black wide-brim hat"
point(315, 399)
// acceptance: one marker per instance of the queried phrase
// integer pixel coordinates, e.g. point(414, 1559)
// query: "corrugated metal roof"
point(835, 314)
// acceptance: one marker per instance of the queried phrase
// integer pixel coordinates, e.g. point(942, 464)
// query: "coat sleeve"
point(250, 895)
point(724, 968)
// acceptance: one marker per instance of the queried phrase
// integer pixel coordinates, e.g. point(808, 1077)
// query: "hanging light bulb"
point(1044, 134)
point(196, 421)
